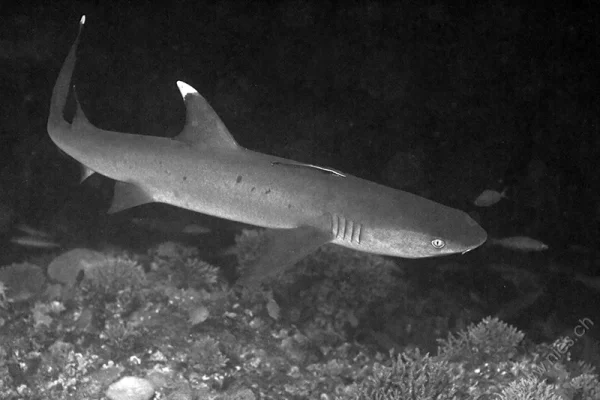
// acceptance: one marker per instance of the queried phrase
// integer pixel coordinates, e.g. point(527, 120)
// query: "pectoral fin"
point(284, 248)
point(127, 195)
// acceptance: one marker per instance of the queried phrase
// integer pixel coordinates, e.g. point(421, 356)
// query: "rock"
point(182, 393)
point(243, 394)
point(130, 388)
point(66, 267)
point(105, 376)
point(22, 281)
point(198, 315)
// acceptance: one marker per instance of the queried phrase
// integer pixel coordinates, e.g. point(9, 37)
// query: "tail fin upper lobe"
point(60, 93)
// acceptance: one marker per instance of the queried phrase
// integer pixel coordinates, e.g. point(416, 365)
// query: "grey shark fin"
point(203, 127)
point(80, 120)
point(127, 195)
point(283, 249)
point(85, 173)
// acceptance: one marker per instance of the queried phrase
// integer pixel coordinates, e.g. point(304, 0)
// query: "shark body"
point(204, 169)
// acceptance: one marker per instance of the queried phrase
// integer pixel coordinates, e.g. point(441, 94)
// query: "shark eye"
point(438, 243)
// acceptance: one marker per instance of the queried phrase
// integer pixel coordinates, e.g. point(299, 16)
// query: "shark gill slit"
point(356, 234)
point(345, 230)
point(348, 231)
point(342, 225)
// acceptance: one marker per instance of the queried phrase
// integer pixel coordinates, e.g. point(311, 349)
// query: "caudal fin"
point(56, 120)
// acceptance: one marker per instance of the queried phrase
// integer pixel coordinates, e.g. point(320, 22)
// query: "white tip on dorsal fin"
point(203, 127)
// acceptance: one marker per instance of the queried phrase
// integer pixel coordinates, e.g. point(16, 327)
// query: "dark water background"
point(439, 100)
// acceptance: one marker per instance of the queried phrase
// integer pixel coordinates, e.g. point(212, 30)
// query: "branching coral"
point(491, 339)
point(586, 385)
point(332, 289)
point(114, 274)
point(169, 251)
point(180, 265)
point(42, 313)
point(199, 274)
point(339, 288)
point(248, 246)
point(205, 355)
point(411, 376)
point(529, 389)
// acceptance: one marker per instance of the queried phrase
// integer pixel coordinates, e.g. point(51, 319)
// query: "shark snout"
point(474, 236)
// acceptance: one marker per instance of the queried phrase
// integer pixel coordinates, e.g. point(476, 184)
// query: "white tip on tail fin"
point(56, 123)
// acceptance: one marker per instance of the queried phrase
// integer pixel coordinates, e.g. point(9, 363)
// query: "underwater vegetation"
point(113, 275)
point(482, 362)
point(168, 322)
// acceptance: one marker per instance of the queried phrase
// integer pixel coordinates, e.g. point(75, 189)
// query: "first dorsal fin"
point(203, 127)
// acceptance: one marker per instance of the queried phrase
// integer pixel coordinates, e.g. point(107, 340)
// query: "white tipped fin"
point(186, 89)
point(203, 127)
point(57, 126)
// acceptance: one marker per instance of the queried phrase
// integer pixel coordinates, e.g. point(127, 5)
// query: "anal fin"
point(127, 195)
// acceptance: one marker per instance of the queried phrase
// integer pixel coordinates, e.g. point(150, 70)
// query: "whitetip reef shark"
point(304, 206)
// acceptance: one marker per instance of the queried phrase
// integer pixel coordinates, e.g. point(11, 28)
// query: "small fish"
point(273, 308)
point(593, 282)
point(194, 229)
point(170, 226)
point(520, 243)
point(32, 231)
point(490, 197)
point(34, 241)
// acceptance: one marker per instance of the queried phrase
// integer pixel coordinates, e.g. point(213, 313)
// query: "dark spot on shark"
point(239, 179)
point(289, 205)
point(253, 189)
point(185, 178)
point(267, 191)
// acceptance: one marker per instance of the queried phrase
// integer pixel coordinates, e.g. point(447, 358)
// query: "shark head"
point(455, 232)
point(429, 229)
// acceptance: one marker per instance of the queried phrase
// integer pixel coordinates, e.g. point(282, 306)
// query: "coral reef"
point(22, 281)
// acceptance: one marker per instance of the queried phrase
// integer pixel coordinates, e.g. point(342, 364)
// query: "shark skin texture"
point(303, 206)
